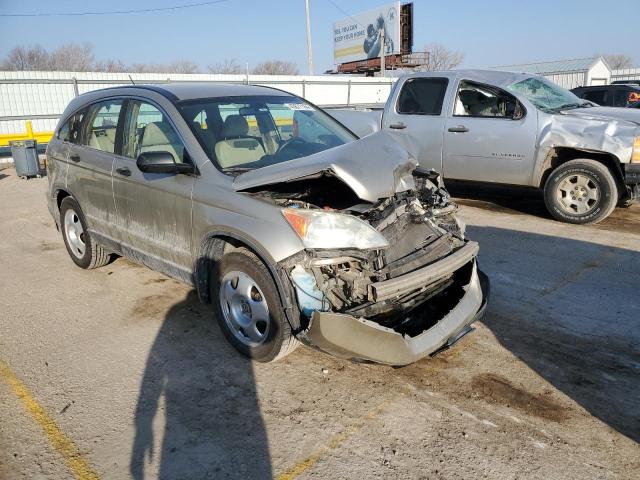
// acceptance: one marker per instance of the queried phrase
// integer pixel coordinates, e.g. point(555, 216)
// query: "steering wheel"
point(291, 141)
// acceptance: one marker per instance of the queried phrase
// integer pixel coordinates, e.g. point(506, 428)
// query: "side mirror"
point(161, 162)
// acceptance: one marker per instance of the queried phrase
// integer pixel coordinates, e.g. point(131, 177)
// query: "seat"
point(161, 137)
point(237, 147)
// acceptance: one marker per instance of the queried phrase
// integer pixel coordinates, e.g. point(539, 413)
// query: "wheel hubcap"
point(75, 233)
point(244, 308)
point(577, 194)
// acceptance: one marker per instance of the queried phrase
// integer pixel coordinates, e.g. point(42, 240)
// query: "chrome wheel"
point(74, 233)
point(577, 194)
point(244, 308)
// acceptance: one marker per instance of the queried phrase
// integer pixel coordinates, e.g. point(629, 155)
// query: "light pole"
point(309, 51)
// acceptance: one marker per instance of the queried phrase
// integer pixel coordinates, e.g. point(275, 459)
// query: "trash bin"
point(25, 157)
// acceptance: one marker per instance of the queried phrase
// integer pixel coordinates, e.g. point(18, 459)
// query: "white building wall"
point(599, 74)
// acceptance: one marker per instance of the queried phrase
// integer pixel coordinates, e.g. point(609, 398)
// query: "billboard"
point(358, 37)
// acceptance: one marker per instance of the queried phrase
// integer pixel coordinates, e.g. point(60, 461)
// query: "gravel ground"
point(137, 375)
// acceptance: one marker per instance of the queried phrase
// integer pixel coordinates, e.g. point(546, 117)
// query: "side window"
point(620, 98)
point(422, 96)
point(102, 126)
point(476, 100)
point(596, 96)
point(72, 128)
point(146, 129)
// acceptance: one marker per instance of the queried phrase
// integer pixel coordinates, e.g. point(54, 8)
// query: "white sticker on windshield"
point(299, 106)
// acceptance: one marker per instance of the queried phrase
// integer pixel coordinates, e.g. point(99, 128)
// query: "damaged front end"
point(400, 287)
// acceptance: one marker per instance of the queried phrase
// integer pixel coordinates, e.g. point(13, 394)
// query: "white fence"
point(42, 96)
point(625, 74)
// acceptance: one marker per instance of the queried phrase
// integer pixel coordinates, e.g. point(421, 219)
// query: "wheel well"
point(61, 196)
point(559, 155)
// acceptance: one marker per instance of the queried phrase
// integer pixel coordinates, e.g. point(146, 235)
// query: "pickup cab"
point(514, 128)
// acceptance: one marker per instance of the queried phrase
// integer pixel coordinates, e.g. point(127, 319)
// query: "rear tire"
point(248, 309)
point(581, 191)
point(83, 250)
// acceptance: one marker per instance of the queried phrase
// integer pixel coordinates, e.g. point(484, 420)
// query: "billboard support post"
point(309, 50)
point(382, 54)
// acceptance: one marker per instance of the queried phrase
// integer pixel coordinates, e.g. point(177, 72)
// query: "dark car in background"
point(618, 95)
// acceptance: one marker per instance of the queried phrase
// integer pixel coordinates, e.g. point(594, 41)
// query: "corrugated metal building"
point(569, 74)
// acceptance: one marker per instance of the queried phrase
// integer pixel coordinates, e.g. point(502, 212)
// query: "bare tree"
point(440, 57)
point(27, 58)
point(276, 67)
point(228, 66)
point(617, 61)
point(111, 66)
point(73, 57)
point(182, 66)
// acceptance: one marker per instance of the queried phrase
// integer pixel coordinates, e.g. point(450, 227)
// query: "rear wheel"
point(248, 308)
point(581, 191)
point(83, 250)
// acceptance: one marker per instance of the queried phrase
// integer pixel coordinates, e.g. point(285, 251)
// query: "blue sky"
point(497, 32)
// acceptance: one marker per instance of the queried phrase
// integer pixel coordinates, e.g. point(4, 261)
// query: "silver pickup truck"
point(514, 128)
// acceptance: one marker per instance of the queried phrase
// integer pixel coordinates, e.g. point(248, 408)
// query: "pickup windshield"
point(244, 133)
point(546, 95)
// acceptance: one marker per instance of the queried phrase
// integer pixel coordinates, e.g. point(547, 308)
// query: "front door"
point(153, 209)
point(489, 137)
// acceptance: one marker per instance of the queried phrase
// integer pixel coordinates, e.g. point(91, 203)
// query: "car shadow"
point(206, 393)
point(499, 198)
point(3, 176)
point(569, 309)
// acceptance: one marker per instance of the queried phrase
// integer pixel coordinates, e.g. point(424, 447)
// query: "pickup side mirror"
point(162, 162)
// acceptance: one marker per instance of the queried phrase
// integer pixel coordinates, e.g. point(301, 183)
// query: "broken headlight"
point(319, 229)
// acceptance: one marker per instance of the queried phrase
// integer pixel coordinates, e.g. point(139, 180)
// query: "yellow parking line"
point(63, 444)
point(337, 440)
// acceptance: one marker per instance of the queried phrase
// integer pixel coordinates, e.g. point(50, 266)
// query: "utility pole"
point(309, 51)
point(383, 66)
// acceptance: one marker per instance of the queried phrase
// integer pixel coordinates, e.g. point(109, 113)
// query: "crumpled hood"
point(607, 114)
point(374, 167)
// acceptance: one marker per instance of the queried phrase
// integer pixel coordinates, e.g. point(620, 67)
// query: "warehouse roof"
point(559, 66)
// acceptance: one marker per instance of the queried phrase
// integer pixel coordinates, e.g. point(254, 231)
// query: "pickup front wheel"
point(581, 191)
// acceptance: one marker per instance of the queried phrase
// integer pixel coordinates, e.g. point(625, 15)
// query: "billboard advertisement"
point(358, 37)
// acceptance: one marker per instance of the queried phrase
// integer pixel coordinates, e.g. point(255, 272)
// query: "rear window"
point(422, 96)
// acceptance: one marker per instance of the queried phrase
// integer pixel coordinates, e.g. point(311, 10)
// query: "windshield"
point(244, 133)
point(546, 95)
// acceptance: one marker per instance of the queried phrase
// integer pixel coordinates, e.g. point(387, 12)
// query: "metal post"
point(382, 56)
point(304, 90)
point(309, 51)
point(75, 86)
point(348, 92)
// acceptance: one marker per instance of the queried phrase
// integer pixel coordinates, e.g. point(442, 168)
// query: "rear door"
point(489, 136)
point(418, 119)
point(90, 163)
point(154, 209)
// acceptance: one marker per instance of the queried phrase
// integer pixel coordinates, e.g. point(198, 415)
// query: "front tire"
point(248, 308)
point(581, 191)
point(83, 250)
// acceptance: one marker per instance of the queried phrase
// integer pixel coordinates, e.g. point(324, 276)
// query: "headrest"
point(158, 133)
point(235, 126)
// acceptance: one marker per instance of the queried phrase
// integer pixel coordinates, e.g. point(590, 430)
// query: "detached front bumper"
point(360, 339)
point(632, 179)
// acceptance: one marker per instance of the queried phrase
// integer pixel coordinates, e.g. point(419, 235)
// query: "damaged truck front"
point(400, 281)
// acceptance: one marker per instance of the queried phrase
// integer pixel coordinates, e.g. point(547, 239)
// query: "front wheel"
point(581, 191)
point(248, 308)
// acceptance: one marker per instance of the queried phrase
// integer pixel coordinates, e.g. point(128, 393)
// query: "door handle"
point(458, 129)
point(75, 157)
point(398, 126)
point(124, 171)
